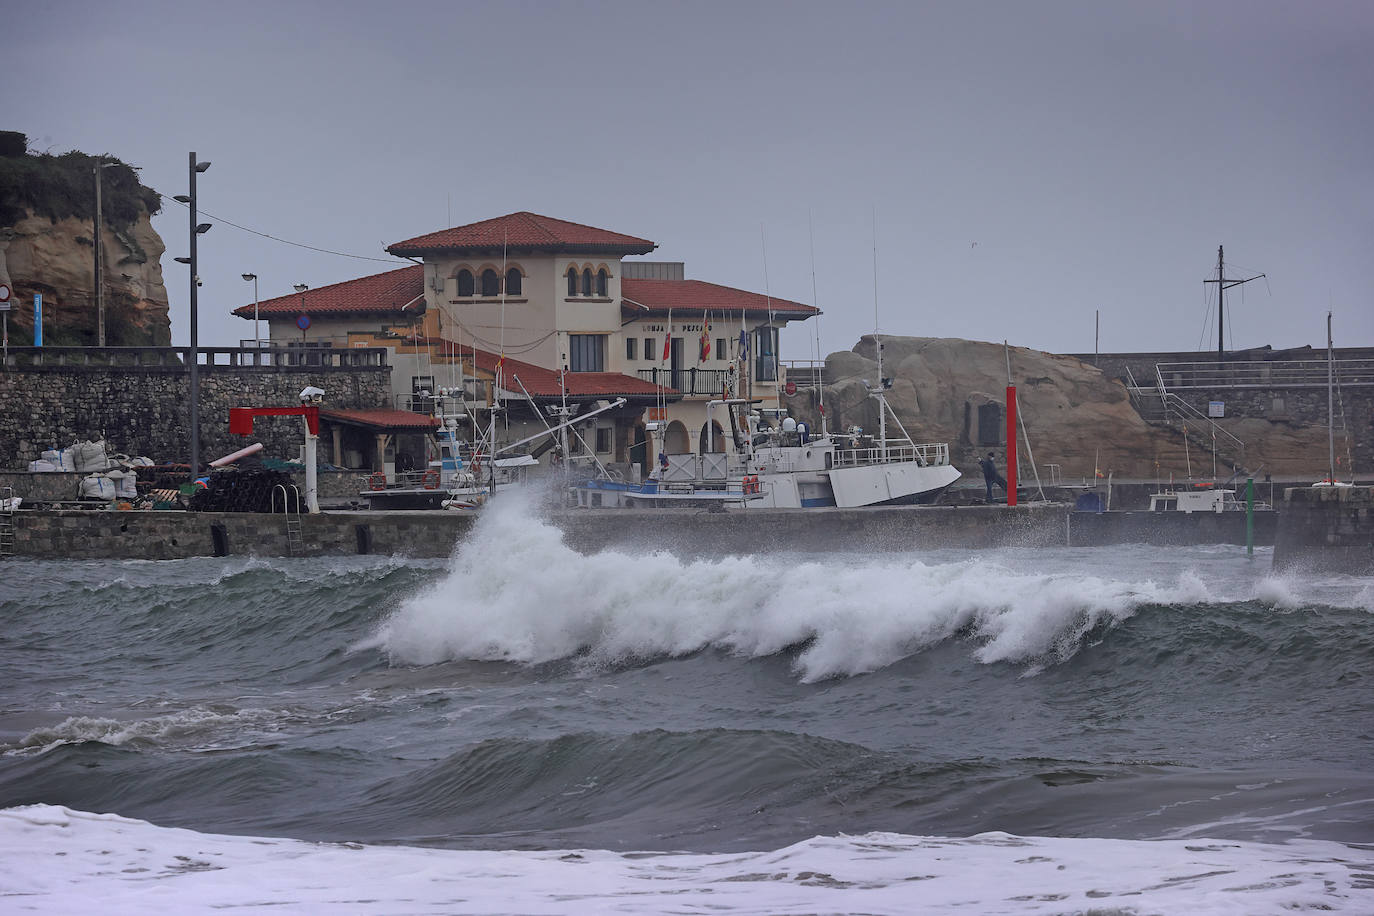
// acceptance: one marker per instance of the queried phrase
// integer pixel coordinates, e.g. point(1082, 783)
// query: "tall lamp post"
point(99, 247)
point(302, 321)
point(257, 338)
point(196, 230)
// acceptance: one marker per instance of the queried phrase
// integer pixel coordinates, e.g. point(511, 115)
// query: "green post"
point(1250, 517)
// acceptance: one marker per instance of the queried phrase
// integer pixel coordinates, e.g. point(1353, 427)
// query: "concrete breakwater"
point(98, 534)
point(1327, 529)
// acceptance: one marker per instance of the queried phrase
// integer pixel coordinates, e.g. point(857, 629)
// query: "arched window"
point(491, 283)
point(587, 281)
point(466, 285)
point(572, 281)
point(601, 278)
point(513, 281)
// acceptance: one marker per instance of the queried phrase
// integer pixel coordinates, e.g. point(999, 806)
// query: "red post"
point(1011, 445)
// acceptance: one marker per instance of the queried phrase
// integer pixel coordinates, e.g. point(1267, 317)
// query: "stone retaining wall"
point(102, 534)
point(144, 410)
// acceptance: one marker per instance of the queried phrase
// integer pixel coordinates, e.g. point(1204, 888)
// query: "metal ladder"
point(295, 542)
point(7, 522)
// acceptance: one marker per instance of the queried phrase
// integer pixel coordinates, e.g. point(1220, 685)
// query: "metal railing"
point(274, 357)
point(805, 373)
point(929, 454)
point(691, 381)
point(1292, 373)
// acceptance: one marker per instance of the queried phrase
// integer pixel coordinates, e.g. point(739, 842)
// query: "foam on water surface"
point(516, 592)
point(55, 860)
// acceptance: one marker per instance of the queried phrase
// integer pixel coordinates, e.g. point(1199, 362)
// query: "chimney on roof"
point(653, 270)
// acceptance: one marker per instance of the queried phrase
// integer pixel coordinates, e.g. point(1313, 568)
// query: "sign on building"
point(1216, 408)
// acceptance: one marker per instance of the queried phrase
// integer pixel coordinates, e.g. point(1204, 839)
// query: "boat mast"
point(1330, 402)
point(878, 345)
point(1223, 284)
point(815, 303)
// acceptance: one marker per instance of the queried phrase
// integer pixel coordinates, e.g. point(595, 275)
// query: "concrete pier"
point(1326, 529)
point(168, 535)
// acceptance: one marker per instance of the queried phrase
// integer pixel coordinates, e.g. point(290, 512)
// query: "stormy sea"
point(523, 728)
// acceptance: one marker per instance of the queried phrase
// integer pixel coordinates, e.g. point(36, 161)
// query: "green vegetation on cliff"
point(64, 186)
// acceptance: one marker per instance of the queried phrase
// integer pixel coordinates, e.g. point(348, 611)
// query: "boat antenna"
point(1223, 284)
point(501, 363)
point(768, 298)
point(878, 346)
point(816, 304)
point(1330, 401)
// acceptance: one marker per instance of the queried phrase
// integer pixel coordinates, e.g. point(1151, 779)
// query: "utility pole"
point(99, 280)
point(1223, 284)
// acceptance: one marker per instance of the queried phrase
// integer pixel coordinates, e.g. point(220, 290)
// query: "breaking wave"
point(515, 592)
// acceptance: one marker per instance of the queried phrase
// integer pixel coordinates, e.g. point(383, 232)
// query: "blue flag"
point(743, 344)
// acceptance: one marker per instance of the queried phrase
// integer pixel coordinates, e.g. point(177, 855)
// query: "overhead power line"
point(342, 254)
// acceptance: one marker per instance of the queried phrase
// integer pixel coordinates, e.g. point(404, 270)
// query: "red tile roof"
point(382, 418)
point(655, 297)
point(545, 383)
point(526, 232)
point(385, 293)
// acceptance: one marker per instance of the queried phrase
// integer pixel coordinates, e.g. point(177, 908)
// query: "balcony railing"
point(275, 357)
point(689, 381)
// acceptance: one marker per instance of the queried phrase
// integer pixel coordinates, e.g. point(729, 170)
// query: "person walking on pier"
point(990, 475)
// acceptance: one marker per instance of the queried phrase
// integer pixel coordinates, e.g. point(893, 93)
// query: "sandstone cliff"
point(47, 209)
point(950, 390)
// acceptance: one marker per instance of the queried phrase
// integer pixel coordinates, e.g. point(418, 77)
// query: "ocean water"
point(526, 729)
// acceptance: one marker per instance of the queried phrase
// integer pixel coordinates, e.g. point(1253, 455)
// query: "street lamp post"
point(196, 230)
point(301, 288)
point(257, 338)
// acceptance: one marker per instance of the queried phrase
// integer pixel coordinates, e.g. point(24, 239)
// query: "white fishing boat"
point(779, 465)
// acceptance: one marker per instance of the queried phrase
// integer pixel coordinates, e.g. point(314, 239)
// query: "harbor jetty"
point(87, 534)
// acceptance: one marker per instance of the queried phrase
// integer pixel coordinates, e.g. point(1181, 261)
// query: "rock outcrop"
point(950, 390)
point(56, 259)
point(47, 220)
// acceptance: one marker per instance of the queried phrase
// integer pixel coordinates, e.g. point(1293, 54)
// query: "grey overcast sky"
point(1028, 162)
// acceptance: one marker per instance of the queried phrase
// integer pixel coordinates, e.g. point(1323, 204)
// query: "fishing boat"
point(778, 464)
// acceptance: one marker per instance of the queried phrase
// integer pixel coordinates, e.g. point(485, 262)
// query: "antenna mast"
point(1223, 284)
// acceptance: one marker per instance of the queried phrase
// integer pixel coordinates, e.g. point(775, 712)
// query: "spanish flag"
point(706, 339)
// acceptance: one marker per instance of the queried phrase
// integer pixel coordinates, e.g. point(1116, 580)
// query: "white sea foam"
point(180, 725)
point(55, 860)
point(516, 592)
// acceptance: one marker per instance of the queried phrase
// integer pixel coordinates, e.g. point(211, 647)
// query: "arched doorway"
point(712, 438)
point(675, 439)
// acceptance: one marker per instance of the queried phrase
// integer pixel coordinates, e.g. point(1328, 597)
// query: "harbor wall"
point(1326, 530)
point(108, 534)
point(138, 399)
point(48, 487)
point(112, 535)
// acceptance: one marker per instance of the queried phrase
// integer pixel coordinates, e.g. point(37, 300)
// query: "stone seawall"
point(99, 534)
point(1326, 530)
point(61, 486)
point(105, 535)
point(142, 408)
